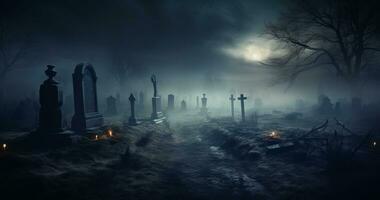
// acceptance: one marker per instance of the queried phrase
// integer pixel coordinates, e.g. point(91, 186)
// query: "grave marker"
point(50, 116)
point(157, 115)
point(132, 118)
point(170, 102)
point(232, 99)
point(242, 98)
point(86, 114)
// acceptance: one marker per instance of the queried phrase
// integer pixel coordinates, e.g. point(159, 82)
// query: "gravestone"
point(111, 105)
point(324, 105)
point(170, 102)
point(86, 114)
point(232, 99)
point(204, 104)
point(132, 119)
point(25, 115)
point(242, 98)
point(50, 116)
point(157, 115)
point(183, 105)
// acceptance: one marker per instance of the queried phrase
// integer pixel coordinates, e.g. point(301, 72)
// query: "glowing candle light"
point(374, 144)
point(110, 133)
point(274, 135)
point(4, 147)
point(96, 137)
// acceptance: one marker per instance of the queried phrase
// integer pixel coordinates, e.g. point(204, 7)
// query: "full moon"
point(255, 53)
point(250, 51)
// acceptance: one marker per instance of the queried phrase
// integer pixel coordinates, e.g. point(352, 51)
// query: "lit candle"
point(4, 147)
point(274, 135)
point(96, 137)
point(110, 133)
point(374, 144)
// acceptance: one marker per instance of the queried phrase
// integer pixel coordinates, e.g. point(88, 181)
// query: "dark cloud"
point(164, 36)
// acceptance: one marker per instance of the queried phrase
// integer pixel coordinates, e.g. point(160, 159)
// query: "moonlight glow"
point(251, 51)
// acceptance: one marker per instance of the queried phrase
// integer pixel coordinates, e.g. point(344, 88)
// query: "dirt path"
point(203, 171)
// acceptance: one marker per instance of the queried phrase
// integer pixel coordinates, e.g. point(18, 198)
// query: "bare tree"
point(13, 48)
point(339, 35)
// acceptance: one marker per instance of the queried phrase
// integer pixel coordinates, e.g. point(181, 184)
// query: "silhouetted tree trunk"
point(12, 50)
point(340, 35)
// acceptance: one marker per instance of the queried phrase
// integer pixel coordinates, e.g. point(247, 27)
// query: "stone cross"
point(232, 99)
point(132, 118)
point(242, 98)
point(111, 105)
point(204, 104)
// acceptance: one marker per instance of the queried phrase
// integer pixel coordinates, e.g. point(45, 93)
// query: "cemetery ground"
point(192, 157)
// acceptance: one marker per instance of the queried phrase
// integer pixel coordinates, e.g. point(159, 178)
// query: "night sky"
point(194, 45)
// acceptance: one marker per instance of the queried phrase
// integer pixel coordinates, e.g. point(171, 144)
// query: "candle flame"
point(274, 135)
point(4, 146)
point(110, 133)
point(96, 137)
point(374, 144)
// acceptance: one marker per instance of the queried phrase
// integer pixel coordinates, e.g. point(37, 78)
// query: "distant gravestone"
point(132, 119)
point(50, 116)
point(170, 102)
point(324, 105)
point(111, 105)
point(232, 99)
point(204, 104)
point(86, 114)
point(25, 115)
point(183, 105)
point(157, 115)
point(242, 98)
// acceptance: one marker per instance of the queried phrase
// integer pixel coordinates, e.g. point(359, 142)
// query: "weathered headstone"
point(157, 115)
point(86, 114)
point(204, 104)
point(50, 117)
point(132, 119)
point(324, 105)
point(183, 105)
point(232, 99)
point(111, 105)
point(170, 102)
point(242, 98)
